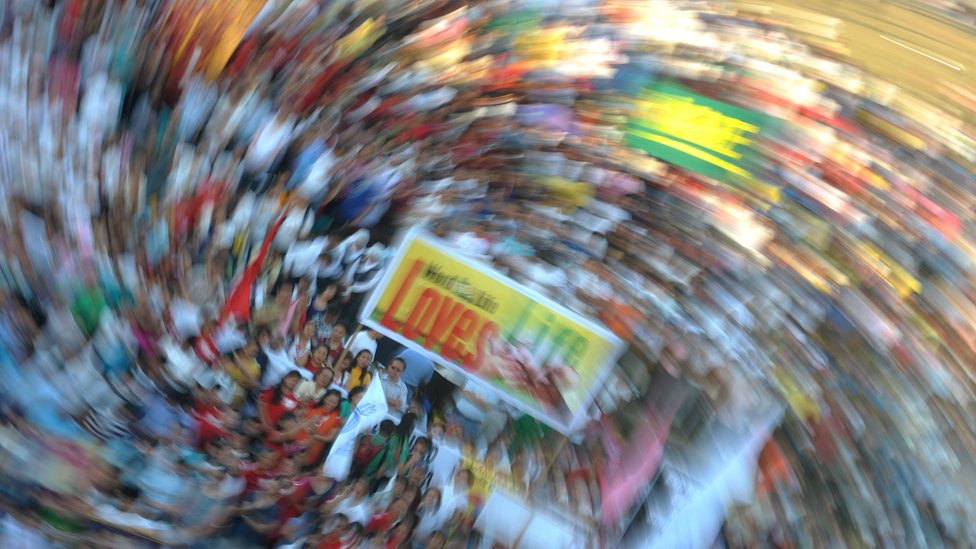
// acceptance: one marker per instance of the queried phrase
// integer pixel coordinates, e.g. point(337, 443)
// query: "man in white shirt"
point(479, 413)
point(365, 339)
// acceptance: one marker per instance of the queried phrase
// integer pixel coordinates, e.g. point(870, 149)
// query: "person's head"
point(399, 486)
point(431, 499)
point(436, 540)
point(264, 337)
point(331, 400)
point(421, 446)
point(290, 381)
point(345, 363)
point(320, 355)
point(360, 488)
point(398, 508)
point(356, 394)
point(290, 467)
point(277, 342)
point(324, 377)
point(417, 476)
point(463, 478)
point(283, 296)
point(308, 329)
point(387, 428)
point(373, 334)
point(377, 540)
point(286, 421)
point(395, 369)
point(250, 348)
point(402, 530)
point(339, 332)
point(363, 358)
point(436, 430)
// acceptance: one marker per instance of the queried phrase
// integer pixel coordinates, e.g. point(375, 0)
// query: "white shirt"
point(360, 342)
point(467, 408)
point(270, 140)
point(278, 366)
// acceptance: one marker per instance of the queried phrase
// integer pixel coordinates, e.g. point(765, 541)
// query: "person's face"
point(360, 488)
point(416, 476)
point(363, 359)
point(355, 400)
point(291, 382)
point(277, 343)
point(320, 354)
point(331, 402)
point(430, 499)
point(251, 349)
point(324, 377)
point(338, 333)
point(436, 541)
point(284, 294)
point(394, 370)
point(308, 330)
point(398, 508)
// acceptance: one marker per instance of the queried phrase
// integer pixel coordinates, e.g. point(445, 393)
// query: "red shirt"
point(253, 475)
point(287, 403)
point(380, 522)
point(206, 349)
point(209, 424)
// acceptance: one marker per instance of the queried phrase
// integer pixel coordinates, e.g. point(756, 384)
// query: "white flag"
point(370, 411)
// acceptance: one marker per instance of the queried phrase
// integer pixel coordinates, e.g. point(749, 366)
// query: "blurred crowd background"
point(770, 203)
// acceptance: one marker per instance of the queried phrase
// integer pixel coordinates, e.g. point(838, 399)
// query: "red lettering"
point(455, 349)
point(446, 317)
point(420, 315)
point(488, 332)
point(388, 319)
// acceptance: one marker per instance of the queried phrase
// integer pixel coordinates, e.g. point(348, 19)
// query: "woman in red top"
point(278, 400)
point(400, 537)
point(324, 427)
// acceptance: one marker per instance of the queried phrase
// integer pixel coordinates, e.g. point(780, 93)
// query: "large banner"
point(535, 354)
point(695, 132)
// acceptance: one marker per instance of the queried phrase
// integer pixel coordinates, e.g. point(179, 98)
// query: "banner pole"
point(345, 348)
point(555, 456)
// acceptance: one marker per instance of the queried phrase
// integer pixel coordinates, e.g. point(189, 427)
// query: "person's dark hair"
point(356, 391)
point(401, 361)
point(405, 428)
point(276, 395)
point(438, 491)
point(387, 427)
point(340, 323)
point(330, 392)
point(423, 441)
point(285, 417)
point(355, 359)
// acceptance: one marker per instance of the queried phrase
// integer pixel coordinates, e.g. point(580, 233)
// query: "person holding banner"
point(370, 411)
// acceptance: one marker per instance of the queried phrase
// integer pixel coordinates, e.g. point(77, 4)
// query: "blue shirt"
point(419, 369)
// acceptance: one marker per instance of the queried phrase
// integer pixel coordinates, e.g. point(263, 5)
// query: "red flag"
point(238, 303)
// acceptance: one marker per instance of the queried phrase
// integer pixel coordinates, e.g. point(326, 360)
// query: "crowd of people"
point(185, 259)
point(198, 197)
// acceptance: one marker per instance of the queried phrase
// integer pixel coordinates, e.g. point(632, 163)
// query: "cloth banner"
point(367, 414)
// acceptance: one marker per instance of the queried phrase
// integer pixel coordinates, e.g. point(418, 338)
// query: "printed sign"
point(692, 131)
point(534, 353)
